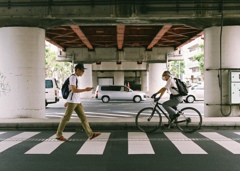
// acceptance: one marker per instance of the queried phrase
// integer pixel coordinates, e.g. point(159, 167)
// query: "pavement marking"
point(2, 133)
point(185, 147)
point(9, 142)
point(139, 143)
point(49, 145)
point(237, 133)
point(106, 114)
point(95, 146)
point(225, 142)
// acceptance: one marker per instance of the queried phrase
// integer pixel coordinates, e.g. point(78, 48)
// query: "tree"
point(177, 68)
point(200, 58)
point(58, 70)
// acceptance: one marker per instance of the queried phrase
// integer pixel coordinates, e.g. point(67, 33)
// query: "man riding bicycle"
point(175, 98)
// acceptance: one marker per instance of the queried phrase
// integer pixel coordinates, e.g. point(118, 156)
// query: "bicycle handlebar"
point(156, 99)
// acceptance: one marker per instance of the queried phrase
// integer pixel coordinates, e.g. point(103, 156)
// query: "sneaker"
point(95, 134)
point(61, 138)
point(168, 126)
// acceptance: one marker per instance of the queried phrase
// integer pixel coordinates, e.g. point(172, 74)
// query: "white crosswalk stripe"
point(225, 142)
point(10, 142)
point(95, 146)
point(184, 144)
point(49, 145)
point(138, 143)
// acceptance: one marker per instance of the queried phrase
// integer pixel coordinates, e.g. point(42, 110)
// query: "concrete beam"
point(157, 55)
point(159, 35)
point(49, 14)
point(82, 36)
point(120, 35)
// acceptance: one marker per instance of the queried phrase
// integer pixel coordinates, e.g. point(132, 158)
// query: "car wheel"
point(190, 99)
point(137, 99)
point(105, 99)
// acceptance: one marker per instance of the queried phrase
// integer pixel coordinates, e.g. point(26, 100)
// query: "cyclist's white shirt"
point(75, 98)
point(171, 83)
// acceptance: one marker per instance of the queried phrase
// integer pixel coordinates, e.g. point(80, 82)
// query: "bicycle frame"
point(158, 107)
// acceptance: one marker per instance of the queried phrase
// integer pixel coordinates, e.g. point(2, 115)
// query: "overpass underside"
point(120, 24)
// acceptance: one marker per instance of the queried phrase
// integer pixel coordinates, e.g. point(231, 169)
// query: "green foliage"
point(58, 70)
point(200, 58)
point(175, 68)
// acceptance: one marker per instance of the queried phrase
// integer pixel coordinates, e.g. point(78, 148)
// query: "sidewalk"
point(108, 124)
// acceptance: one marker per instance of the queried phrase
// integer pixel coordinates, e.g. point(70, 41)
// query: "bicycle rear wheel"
point(148, 120)
point(190, 120)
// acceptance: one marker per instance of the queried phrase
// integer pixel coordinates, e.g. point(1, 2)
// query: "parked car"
point(51, 91)
point(195, 93)
point(118, 92)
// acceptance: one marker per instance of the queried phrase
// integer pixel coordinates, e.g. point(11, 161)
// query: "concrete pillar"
point(118, 78)
point(144, 81)
point(155, 77)
point(87, 81)
point(94, 79)
point(230, 59)
point(22, 85)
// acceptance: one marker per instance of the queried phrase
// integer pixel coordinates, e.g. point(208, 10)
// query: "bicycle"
point(149, 119)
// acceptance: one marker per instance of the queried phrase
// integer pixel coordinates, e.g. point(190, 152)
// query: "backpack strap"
point(175, 88)
point(76, 85)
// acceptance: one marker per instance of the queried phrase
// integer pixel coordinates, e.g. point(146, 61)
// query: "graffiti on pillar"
point(4, 86)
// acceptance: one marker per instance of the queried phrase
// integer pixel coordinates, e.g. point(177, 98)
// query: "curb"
point(103, 126)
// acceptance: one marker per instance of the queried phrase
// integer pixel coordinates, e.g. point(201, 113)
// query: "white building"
point(192, 68)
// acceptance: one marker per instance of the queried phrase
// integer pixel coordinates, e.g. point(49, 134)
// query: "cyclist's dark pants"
point(169, 104)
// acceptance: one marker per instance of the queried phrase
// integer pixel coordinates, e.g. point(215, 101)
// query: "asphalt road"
point(113, 109)
point(120, 151)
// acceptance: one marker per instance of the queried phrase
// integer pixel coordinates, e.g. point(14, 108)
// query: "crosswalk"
point(138, 143)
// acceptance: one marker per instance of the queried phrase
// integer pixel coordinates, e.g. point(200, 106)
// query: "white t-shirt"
point(74, 97)
point(171, 83)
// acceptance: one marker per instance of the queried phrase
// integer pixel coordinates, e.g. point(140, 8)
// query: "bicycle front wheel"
point(190, 120)
point(148, 120)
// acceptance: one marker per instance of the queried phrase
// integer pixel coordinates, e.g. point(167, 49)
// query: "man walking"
point(74, 104)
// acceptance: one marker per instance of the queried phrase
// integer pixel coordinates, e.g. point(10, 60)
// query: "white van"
point(51, 91)
point(118, 92)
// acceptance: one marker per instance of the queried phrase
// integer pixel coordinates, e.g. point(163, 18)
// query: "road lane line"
point(49, 145)
point(10, 142)
point(139, 143)
point(2, 133)
point(184, 144)
point(223, 141)
point(95, 146)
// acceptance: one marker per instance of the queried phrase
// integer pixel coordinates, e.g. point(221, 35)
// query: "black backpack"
point(65, 88)
point(181, 87)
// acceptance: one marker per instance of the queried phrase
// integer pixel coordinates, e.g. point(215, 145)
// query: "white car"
point(118, 92)
point(51, 91)
point(195, 93)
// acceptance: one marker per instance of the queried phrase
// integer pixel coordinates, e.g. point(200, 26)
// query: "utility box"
point(234, 79)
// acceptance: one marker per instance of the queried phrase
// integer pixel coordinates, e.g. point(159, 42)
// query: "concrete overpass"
point(99, 31)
